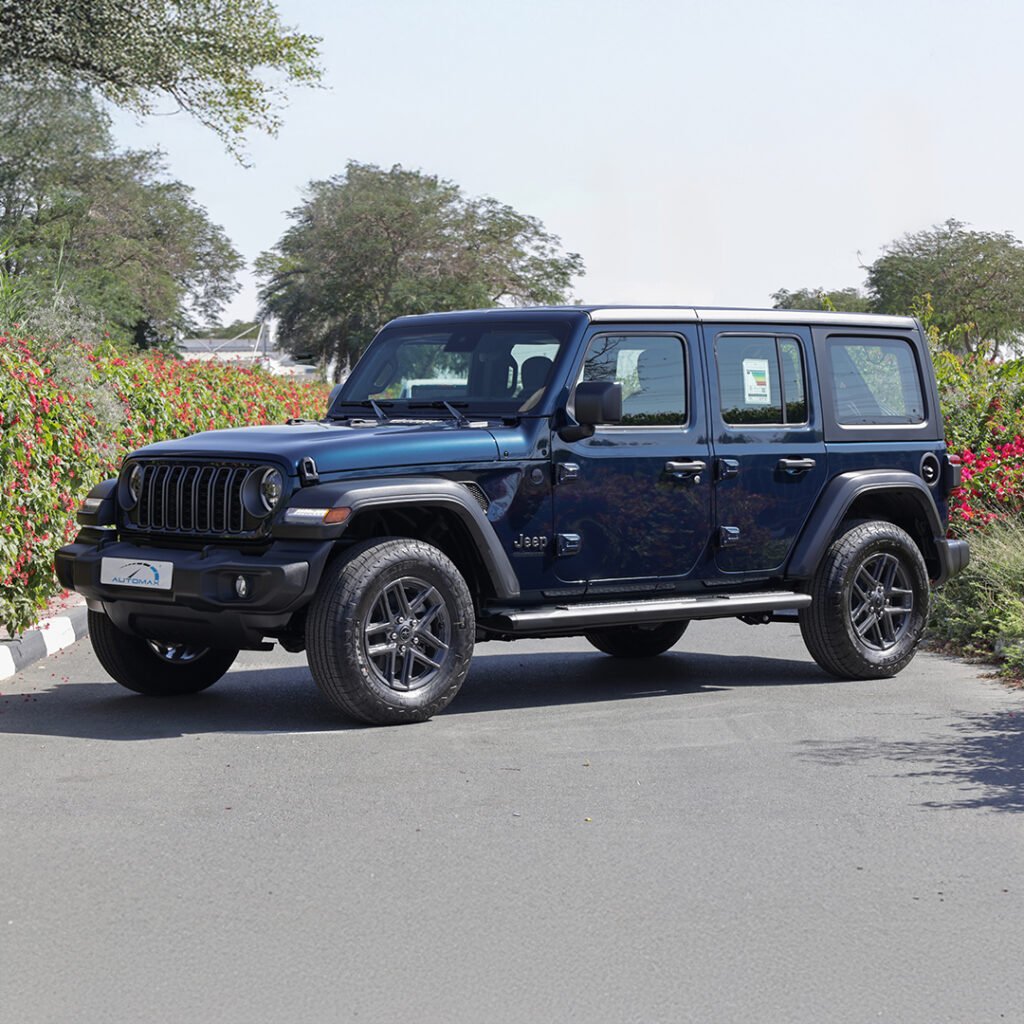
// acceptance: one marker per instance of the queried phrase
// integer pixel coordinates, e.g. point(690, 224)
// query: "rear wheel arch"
point(897, 497)
point(902, 508)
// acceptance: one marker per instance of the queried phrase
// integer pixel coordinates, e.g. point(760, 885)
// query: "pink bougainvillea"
point(69, 415)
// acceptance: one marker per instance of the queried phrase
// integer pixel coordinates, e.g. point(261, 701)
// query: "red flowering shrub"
point(992, 488)
point(68, 416)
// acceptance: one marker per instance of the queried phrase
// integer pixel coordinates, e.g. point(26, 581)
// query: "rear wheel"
point(390, 632)
point(152, 667)
point(637, 641)
point(869, 603)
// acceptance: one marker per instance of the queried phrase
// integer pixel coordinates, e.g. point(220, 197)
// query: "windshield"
point(488, 367)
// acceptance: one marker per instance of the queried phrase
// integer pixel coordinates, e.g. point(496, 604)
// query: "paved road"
point(714, 837)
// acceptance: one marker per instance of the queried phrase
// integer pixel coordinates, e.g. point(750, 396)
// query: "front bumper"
point(202, 606)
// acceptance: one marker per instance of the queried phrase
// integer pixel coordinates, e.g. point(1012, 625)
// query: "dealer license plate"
point(131, 572)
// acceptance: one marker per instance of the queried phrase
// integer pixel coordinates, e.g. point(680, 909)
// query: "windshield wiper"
point(460, 420)
point(378, 412)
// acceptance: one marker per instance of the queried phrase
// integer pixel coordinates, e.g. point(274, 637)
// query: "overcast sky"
point(691, 152)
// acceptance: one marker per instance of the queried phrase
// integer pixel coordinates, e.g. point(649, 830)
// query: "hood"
point(337, 448)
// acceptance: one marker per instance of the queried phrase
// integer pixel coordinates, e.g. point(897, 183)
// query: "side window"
point(761, 380)
point(651, 370)
point(875, 380)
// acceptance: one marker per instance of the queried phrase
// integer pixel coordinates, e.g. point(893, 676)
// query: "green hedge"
point(68, 416)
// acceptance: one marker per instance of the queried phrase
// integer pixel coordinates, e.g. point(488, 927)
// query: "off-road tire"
point(637, 641)
point(354, 658)
point(137, 664)
point(843, 599)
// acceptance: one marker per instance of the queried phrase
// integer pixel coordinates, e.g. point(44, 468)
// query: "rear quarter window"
point(875, 380)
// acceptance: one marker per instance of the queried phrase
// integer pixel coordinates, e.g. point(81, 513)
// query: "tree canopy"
point(975, 280)
point(371, 244)
point(969, 285)
point(843, 300)
point(101, 232)
point(209, 56)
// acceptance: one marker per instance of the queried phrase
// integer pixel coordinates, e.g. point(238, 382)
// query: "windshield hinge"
point(308, 473)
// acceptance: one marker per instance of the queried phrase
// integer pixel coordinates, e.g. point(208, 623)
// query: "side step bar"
point(566, 617)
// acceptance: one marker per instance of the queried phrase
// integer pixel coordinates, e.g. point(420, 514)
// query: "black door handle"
point(794, 466)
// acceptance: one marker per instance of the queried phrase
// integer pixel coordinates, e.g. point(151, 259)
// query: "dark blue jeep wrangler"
point(610, 472)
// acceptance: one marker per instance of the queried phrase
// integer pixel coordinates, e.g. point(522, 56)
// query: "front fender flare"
point(416, 491)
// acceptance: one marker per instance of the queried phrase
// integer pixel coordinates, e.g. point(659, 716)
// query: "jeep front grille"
point(194, 499)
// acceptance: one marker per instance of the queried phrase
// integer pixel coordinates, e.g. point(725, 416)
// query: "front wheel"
point(869, 603)
point(153, 668)
point(390, 632)
point(637, 641)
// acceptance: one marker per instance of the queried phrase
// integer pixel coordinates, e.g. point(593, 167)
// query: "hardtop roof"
point(676, 314)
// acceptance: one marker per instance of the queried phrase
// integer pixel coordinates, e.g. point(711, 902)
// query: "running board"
point(563, 617)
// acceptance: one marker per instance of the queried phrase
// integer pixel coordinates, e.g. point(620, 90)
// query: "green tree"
point(209, 56)
point(975, 280)
point(843, 300)
point(372, 244)
point(101, 233)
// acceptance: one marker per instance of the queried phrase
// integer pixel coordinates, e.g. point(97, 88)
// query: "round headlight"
point(135, 484)
point(271, 488)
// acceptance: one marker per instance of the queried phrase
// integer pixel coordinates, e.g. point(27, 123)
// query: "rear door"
point(768, 444)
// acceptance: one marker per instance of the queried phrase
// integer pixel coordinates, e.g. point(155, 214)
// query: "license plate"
point(131, 572)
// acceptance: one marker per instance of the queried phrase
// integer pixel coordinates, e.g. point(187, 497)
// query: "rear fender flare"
point(837, 499)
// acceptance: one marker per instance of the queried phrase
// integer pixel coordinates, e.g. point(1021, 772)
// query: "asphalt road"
point(718, 836)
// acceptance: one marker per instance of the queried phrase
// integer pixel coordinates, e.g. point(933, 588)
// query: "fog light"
point(242, 587)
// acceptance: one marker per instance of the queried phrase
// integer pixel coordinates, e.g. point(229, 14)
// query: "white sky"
point(691, 152)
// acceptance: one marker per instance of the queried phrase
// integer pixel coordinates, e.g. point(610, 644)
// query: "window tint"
point(761, 380)
point(875, 380)
point(651, 370)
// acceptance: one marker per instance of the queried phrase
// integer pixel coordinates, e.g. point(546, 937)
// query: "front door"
point(769, 450)
point(632, 504)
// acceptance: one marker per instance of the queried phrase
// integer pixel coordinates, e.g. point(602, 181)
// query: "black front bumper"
point(202, 606)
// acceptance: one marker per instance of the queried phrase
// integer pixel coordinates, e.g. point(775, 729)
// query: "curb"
point(45, 638)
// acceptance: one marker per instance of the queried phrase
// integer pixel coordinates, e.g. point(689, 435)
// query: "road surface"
point(720, 834)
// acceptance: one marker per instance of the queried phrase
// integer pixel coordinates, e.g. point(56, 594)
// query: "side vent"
point(478, 495)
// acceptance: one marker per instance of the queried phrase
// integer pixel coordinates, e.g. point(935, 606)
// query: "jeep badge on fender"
point(660, 465)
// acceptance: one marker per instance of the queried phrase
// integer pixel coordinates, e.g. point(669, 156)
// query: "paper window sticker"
point(756, 385)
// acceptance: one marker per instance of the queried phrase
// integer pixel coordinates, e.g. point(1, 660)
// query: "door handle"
point(685, 467)
point(795, 466)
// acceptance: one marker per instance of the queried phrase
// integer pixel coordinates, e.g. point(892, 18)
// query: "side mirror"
point(334, 394)
point(597, 402)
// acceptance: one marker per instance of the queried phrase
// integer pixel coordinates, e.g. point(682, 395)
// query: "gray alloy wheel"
point(390, 632)
point(881, 601)
point(869, 602)
point(407, 634)
point(176, 654)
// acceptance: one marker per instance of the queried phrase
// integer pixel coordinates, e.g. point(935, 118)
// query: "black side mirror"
point(597, 402)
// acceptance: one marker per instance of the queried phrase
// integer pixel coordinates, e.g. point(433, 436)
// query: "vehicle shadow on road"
point(285, 699)
point(980, 759)
point(500, 681)
point(276, 700)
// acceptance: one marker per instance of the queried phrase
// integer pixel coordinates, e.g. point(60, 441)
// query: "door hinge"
point(567, 471)
point(726, 469)
point(569, 544)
